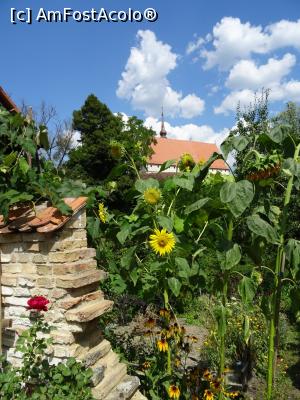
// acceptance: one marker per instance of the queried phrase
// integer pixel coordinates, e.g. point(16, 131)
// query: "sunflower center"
point(162, 243)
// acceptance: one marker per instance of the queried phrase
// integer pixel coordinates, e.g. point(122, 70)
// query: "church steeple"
point(163, 132)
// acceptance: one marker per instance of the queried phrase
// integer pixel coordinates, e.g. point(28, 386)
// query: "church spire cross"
point(163, 132)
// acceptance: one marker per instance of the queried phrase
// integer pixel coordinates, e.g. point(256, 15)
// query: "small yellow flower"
point(174, 392)
point(177, 362)
point(208, 395)
point(233, 395)
point(152, 195)
point(164, 313)
point(102, 212)
point(162, 345)
point(207, 375)
point(162, 242)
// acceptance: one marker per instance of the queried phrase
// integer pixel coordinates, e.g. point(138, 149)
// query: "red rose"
point(38, 303)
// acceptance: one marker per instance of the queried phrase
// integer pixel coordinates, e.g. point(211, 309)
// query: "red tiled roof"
point(173, 149)
point(7, 102)
point(47, 219)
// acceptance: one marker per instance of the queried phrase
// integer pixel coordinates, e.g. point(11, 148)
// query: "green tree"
point(103, 133)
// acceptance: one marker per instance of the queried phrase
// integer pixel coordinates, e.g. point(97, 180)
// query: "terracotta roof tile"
point(172, 149)
point(45, 220)
point(7, 102)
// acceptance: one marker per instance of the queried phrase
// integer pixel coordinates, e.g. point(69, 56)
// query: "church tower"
point(163, 132)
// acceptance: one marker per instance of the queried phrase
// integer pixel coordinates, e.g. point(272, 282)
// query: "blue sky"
point(198, 59)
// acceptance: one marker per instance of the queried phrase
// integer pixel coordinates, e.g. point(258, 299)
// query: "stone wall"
point(62, 268)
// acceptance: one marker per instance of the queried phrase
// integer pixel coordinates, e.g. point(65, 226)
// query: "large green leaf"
point(291, 167)
point(23, 165)
point(165, 222)
point(262, 228)
point(196, 206)
point(167, 164)
point(240, 142)
point(142, 184)
point(184, 270)
point(230, 258)
point(185, 183)
point(124, 232)
point(174, 285)
point(237, 196)
point(292, 251)
point(228, 192)
point(247, 289)
point(178, 224)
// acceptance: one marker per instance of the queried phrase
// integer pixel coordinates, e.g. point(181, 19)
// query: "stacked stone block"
point(62, 268)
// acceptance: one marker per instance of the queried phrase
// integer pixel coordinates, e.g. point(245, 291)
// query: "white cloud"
point(233, 40)
point(195, 45)
point(202, 133)
point(288, 91)
point(230, 102)
point(247, 75)
point(144, 81)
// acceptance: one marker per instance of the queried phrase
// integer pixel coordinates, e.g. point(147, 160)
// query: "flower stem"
point(276, 298)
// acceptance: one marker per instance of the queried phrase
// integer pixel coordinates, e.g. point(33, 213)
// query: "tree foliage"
point(93, 160)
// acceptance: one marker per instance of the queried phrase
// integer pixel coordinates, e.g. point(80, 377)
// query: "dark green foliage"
point(25, 176)
point(36, 379)
point(94, 160)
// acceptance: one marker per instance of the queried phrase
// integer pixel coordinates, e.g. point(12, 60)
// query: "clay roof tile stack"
point(43, 219)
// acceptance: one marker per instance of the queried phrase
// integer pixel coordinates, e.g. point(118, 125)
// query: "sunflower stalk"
point(276, 299)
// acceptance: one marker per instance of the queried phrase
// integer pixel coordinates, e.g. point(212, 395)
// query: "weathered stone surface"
point(126, 389)
point(21, 292)
point(15, 310)
point(110, 381)
point(70, 244)
point(98, 375)
point(44, 269)
point(19, 268)
point(39, 292)
point(58, 293)
point(70, 302)
point(69, 281)
point(62, 337)
point(71, 255)
point(88, 312)
point(93, 355)
point(9, 280)
point(75, 267)
point(11, 238)
point(28, 281)
point(15, 301)
point(7, 291)
point(138, 396)
point(45, 281)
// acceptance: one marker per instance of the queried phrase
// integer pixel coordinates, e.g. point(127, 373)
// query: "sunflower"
point(208, 395)
point(102, 213)
point(162, 345)
point(162, 242)
point(174, 392)
point(152, 195)
point(117, 150)
point(186, 162)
